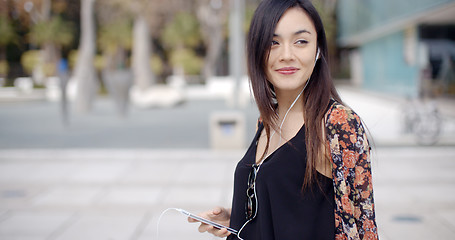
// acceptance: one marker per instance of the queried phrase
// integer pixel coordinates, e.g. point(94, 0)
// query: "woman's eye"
point(301, 41)
point(274, 43)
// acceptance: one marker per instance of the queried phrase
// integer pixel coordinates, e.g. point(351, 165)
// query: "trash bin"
point(227, 130)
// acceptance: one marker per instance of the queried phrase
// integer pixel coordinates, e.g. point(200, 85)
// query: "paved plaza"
point(120, 194)
point(103, 177)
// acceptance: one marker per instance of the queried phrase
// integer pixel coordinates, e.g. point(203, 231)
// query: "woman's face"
point(293, 52)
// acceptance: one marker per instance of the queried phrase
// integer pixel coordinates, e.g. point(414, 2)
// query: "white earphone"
point(317, 54)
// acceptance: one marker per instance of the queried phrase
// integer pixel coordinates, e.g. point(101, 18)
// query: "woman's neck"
point(289, 103)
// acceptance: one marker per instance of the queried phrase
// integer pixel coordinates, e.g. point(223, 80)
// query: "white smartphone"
point(206, 221)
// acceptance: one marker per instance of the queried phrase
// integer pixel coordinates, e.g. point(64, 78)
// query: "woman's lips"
point(287, 70)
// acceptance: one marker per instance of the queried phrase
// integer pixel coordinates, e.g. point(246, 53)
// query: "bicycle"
point(422, 119)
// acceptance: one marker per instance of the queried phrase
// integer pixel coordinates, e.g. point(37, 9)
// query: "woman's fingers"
point(217, 211)
point(192, 220)
point(203, 228)
point(218, 232)
point(217, 214)
point(213, 230)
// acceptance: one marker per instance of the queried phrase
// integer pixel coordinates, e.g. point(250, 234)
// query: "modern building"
point(404, 47)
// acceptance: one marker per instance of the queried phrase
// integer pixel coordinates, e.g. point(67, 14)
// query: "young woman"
point(307, 173)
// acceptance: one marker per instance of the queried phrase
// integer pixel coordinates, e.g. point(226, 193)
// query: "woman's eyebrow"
point(296, 33)
point(302, 31)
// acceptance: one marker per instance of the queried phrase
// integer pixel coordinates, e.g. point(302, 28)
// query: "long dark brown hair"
point(318, 92)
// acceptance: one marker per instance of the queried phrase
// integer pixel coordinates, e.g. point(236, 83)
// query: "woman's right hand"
point(220, 215)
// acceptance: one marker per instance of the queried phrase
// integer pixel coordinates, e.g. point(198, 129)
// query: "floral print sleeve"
point(351, 172)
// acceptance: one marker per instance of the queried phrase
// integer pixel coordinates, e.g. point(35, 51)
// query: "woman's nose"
point(286, 53)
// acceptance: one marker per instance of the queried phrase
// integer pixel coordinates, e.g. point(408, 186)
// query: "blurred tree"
point(32, 12)
point(84, 72)
point(142, 48)
point(212, 15)
point(181, 36)
point(114, 41)
point(147, 17)
point(182, 31)
point(7, 36)
point(51, 35)
point(186, 62)
point(30, 18)
point(115, 34)
point(30, 60)
point(326, 9)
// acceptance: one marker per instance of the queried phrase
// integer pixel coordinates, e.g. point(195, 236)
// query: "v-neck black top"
point(284, 211)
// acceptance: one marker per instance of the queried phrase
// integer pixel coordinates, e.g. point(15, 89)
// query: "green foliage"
point(72, 58)
point(249, 12)
point(55, 31)
point(156, 64)
point(49, 69)
point(7, 32)
point(188, 60)
point(99, 62)
point(181, 36)
point(114, 35)
point(328, 20)
point(182, 31)
point(29, 60)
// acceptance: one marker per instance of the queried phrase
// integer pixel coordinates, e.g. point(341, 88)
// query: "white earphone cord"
point(260, 164)
point(281, 125)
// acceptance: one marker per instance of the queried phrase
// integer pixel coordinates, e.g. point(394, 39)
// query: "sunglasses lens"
point(251, 196)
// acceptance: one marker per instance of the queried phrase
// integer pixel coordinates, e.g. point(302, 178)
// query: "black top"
point(284, 211)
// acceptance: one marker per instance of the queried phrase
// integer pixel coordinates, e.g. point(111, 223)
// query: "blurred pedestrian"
point(307, 172)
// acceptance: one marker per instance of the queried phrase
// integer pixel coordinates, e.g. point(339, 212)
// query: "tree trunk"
point(214, 47)
point(212, 28)
point(143, 75)
point(84, 73)
point(39, 73)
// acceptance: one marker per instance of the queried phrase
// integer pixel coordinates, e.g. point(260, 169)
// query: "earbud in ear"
point(317, 54)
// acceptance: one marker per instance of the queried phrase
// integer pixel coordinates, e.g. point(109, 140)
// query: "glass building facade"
point(395, 41)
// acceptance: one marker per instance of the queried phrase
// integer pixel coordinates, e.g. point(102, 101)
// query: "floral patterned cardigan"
point(351, 173)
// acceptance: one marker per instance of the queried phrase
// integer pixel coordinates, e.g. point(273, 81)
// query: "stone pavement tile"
point(68, 196)
point(16, 196)
point(3, 213)
point(207, 173)
point(448, 217)
point(426, 195)
point(32, 225)
point(156, 172)
point(415, 225)
point(49, 171)
point(102, 225)
point(414, 193)
point(190, 195)
point(131, 196)
point(15, 171)
point(35, 170)
point(98, 172)
point(438, 194)
point(383, 195)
